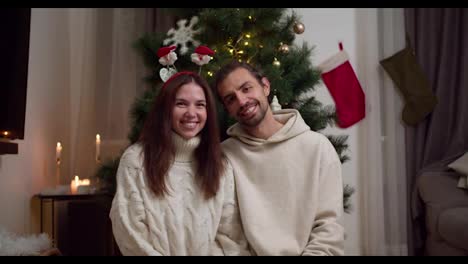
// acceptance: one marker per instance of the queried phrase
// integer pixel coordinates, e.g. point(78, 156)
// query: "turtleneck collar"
point(184, 149)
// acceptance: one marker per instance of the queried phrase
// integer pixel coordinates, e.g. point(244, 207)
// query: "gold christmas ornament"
point(299, 28)
point(276, 63)
point(284, 48)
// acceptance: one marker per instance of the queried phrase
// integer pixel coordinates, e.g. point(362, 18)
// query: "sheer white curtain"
point(383, 202)
point(396, 202)
point(105, 77)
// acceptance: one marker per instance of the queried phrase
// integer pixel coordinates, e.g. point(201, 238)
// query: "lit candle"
point(74, 184)
point(85, 182)
point(58, 152)
point(98, 148)
point(78, 186)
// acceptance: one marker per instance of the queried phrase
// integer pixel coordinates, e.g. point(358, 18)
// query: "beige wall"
point(25, 174)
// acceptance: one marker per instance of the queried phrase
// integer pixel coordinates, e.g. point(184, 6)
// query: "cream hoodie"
point(289, 189)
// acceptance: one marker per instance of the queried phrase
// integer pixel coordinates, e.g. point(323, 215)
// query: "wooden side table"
point(63, 197)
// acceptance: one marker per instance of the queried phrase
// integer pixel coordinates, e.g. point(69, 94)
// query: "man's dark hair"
point(230, 67)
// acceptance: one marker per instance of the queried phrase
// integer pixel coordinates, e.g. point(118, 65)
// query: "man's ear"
point(266, 86)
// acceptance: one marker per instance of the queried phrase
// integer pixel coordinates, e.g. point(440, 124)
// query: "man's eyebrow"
point(237, 88)
point(244, 84)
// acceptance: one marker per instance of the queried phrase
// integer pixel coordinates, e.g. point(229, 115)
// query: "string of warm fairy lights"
point(245, 40)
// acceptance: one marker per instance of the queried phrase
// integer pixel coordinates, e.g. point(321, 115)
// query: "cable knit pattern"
point(181, 223)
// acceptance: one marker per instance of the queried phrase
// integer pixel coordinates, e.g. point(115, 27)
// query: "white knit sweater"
point(289, 188)
point(182, 223)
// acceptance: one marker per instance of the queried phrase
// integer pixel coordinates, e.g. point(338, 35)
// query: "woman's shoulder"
point(227, 163)
point(133, 156)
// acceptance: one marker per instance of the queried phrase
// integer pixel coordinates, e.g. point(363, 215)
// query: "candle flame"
point(85, 182)
point(76, 182)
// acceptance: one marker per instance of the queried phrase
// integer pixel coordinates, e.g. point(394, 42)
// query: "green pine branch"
point(348, 191)
point(106, 174)
point(138, 113)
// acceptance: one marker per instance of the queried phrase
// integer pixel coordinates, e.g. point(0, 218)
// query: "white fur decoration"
point(14, 245)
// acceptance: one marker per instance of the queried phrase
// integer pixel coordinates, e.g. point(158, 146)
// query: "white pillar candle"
point(98, 148)
point(58, 152)
point(74, 184)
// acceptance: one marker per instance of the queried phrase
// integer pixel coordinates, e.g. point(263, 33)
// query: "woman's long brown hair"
point(159, 150)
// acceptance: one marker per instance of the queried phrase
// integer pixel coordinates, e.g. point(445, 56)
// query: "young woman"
point(175, 191)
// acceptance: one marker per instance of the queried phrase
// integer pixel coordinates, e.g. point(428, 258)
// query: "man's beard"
point(257, 119)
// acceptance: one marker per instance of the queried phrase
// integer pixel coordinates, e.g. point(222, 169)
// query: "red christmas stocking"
point(344, 87)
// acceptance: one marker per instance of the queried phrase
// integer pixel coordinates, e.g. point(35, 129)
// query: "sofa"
point(445, 210)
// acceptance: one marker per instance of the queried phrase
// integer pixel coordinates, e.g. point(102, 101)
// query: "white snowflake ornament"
point(183, 34)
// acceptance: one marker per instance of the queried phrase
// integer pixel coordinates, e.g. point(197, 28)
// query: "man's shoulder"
point(232, 147)
point(314, 137)
point(230, 141)
point(325, 146)
point(316, 140)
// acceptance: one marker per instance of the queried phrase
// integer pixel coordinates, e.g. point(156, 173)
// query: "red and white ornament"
point(167, 56)
point(202, 55)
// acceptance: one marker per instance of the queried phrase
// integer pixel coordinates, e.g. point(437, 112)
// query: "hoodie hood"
point(293, 125)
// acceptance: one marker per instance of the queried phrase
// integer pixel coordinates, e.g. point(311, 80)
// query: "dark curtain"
point(440, 39)
point(158, 20)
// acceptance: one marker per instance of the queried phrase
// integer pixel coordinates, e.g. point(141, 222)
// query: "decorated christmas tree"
point(263, 37)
